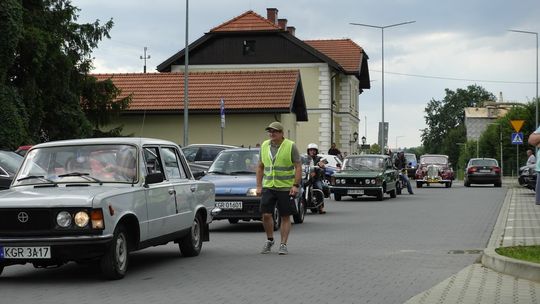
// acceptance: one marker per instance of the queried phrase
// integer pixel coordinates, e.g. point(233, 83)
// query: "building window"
point(249, 47)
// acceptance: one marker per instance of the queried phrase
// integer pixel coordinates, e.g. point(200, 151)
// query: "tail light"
point(496, 169)
point(472, 170)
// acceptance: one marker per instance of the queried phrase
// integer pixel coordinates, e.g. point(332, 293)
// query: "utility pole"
point(145, 57)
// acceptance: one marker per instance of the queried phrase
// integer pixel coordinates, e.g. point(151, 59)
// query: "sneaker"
point(283, 249)
point(267, 246)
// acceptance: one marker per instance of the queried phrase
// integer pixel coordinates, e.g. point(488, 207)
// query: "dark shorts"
point(271, 198)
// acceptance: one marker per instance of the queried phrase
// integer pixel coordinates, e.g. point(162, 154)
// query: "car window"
point(190, 153)
point(208, 154)
point(434, 160)
point(10, 161)
point(152, 161)
point(231, 162)
point(483, 162)
point(171, 163)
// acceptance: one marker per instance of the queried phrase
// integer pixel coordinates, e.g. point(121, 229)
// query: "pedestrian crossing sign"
point(517, 138)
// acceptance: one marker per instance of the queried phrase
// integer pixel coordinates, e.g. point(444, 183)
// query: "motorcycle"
point(313, 198)
point(400, 185)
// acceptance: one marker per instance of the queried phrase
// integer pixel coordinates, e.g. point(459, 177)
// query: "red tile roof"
point(343, 51)
point(248, 21)
point(241, 90)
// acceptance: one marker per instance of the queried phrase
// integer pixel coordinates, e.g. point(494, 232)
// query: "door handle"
point(193, 188)
point(172, 191)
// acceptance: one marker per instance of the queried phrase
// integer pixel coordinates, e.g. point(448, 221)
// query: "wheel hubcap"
point(121, 251)
point(196, 232)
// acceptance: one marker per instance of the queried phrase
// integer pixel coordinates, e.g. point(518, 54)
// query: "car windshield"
point(363, 163)
point(10, 161)
point(434, 160)
point(235, 162)
point(80, 163)
point(483, 162)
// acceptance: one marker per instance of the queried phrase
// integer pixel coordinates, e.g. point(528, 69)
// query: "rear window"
point(483, 162)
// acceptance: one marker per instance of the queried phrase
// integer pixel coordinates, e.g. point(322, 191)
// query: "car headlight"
point(252, 192)
point(63, 219)
point(343, 181)
point(81, 219)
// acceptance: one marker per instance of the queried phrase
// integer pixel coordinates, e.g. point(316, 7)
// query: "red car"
point(23, 149)
point(434, 169)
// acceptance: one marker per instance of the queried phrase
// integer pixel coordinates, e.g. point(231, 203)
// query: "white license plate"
point(484, 171)
point(360, 192)
point(9, 252)
point(229, 205)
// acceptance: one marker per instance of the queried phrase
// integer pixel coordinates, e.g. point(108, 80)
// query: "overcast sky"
point(451, 45)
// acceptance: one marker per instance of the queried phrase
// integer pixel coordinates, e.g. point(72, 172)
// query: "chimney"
point(282, 23)
point(291, 30)
point(271, 15)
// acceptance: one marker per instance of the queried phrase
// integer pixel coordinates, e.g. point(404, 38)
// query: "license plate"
point(355, 192)
point(9, 252)
point(484, 171)
point(229, 205)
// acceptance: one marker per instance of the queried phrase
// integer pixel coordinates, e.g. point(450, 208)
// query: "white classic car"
point(99, 199)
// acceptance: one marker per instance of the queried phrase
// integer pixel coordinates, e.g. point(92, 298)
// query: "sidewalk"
point(498, 279)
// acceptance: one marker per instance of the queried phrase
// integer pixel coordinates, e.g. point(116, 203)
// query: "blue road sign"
point(517, 138)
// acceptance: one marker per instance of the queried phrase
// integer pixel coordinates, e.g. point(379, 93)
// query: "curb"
point(517, 268)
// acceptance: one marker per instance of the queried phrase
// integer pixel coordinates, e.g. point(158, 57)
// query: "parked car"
point(233, 173)
point(9, 164)
point(434, 169)
point(371, 175)
point(99, 199)
point(527, 176)
point(412, 164)
point(201, 156)
point(482, 171)
point(23, 149)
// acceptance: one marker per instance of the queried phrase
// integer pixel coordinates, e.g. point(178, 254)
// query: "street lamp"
point(396, 140)
point(536, 34)
point(382, 58)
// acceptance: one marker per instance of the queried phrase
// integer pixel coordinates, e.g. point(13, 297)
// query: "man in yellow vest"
point(279, 174)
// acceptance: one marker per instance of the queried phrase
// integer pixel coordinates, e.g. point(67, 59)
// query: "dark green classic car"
point(369, 174)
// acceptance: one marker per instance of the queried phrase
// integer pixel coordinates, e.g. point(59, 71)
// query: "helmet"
point(312, 146)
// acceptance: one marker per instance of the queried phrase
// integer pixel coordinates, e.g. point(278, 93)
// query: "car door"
point(160, 197)
point(176, 173)
point(390, 174)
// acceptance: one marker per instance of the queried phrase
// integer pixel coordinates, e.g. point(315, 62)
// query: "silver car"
point(99, 199)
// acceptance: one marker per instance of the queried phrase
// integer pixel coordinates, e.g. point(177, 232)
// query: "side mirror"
point(154, 178)
point(199, 174)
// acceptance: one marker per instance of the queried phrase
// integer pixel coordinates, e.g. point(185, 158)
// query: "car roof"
point(367, 155)
point(243, 149)
point(138, 141)
point(211, 145)
point(480, 158)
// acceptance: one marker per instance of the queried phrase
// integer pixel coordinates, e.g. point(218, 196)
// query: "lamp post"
point(396, 147)
point(536, 34)
point(186, 81)
point(382, 70)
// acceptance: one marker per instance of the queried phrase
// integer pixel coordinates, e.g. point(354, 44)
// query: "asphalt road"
point(361, 251)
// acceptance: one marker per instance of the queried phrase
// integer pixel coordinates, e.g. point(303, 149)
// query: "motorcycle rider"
point(401, 165)
point(315, 160)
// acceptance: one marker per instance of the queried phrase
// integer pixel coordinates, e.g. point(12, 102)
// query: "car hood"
point(52, 197)
point(357, 173)
point(231, 184)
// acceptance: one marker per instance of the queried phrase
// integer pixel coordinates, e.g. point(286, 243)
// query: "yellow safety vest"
point(279, 171)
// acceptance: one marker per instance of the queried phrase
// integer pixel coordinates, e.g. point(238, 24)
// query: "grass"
point(525, 253)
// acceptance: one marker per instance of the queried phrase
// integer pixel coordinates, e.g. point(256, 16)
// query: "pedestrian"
point(401, 165)
point(531, 160)
point(279, 175)
point(534, 139)
point(335, 151)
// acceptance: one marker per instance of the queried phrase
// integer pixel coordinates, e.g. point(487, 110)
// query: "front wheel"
point(380, 196)
point(448, 184)
point(115, 261)
point(299, 217)
point(337, 197)
point(418, 184)
point(276, 219)
point(191, 244)
point(393, 193)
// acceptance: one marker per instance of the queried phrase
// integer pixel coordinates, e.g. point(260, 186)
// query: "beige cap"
point(275, 125)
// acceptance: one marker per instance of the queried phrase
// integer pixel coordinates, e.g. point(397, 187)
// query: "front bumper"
point(251, 208)
point(427, 180)
point(63, 249)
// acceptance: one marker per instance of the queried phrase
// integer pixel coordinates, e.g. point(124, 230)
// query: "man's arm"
point(260, 172)
point(534, 139)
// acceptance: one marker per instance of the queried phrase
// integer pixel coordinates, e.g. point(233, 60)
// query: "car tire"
point(467, 184)
point(398, 189)
point(233, 221)
point(380, 196)
point(337, 197)
point(418, 184)
point(191, 244)
point(299, 217)
point(276, 219)
point(448, 185)
point(115, 261)
point(498, 185)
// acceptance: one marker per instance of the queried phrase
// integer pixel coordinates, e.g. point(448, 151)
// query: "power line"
point(456, 79)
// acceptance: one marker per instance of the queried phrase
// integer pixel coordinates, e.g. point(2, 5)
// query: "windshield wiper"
point(38, 177)
point(83, 175)
point(218, 172)
point(242, 172)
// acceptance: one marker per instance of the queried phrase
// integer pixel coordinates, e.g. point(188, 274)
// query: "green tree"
point(44, 73)
point(445, 119)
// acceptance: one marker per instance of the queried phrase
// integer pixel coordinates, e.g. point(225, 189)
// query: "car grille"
point(25, 220)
